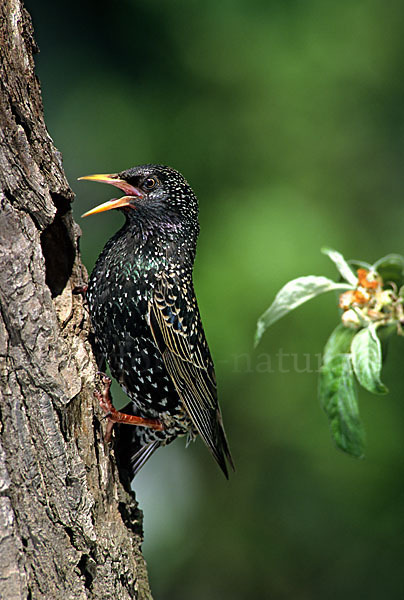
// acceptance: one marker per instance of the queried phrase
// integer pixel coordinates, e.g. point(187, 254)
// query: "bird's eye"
point(150, 183)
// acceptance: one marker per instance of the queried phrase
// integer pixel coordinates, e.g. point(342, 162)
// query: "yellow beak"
point(123, 185)
point(116, 203)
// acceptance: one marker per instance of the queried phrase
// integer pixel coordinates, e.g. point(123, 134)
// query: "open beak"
point(123, 185)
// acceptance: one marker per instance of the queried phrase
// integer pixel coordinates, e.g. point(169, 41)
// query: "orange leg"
point(115, 416)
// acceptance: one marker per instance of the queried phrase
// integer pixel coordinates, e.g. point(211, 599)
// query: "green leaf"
point(339, 342)
point(359, 264)
point(292, 295)
point(391, 268)
point(367, 360)
point(342, 265)
point(338, 398)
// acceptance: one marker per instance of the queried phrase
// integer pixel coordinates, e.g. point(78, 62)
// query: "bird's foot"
point(115, 416)
point(80, 290)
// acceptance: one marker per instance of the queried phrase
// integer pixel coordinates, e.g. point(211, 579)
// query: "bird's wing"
point(177, 330)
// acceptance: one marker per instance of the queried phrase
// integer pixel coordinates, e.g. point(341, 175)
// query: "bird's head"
point(154, 193)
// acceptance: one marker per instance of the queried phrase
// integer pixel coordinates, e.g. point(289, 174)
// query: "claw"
point(80, 290)
point(104, 376)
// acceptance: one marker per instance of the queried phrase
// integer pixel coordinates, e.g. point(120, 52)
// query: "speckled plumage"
point(146, 320)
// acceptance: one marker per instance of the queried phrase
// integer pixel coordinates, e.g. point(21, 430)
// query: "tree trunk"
point(68, 528)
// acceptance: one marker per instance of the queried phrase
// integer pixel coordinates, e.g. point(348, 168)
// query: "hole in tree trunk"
point(58, 247)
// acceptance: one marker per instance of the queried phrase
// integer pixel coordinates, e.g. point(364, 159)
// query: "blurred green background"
point(286, 117)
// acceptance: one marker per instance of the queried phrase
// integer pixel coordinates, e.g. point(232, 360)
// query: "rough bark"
point(68, 528)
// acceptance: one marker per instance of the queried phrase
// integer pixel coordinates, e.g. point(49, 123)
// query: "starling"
point(145, 316)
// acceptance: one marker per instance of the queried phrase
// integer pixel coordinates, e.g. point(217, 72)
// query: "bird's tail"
point(131, 450)
point(138, 460)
